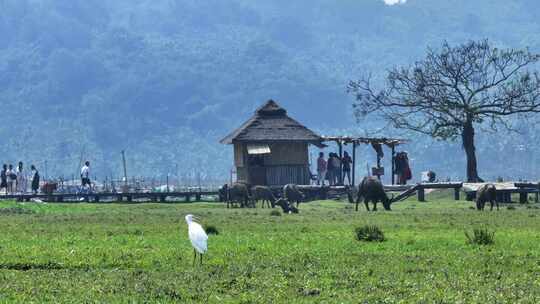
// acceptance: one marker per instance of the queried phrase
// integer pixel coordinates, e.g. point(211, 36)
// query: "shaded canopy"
point(390, 142)
point(269, 124)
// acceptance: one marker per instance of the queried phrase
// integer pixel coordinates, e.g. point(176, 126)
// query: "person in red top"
point(321, 169)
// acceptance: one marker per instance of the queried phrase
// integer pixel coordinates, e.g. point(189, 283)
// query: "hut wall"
point(293, 153)
point(287, 164)
point(291, 174)
point(241, 174)
point(239, 150)
point(239, 162)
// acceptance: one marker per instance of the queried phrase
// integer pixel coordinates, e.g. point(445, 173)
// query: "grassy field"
point(140, 253)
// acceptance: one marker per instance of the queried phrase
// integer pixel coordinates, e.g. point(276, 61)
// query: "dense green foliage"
point(480, 236)
point(369, 234)
point(141, 253)
point(166, 79)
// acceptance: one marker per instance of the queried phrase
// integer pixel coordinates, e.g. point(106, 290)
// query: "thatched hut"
point(271, 148)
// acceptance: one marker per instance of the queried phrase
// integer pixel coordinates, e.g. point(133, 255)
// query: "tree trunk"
point(468, 144)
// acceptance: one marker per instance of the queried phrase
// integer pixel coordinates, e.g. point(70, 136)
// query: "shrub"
point(210, 229)
point(275, 213)
point(480, 236)
point(369, 234)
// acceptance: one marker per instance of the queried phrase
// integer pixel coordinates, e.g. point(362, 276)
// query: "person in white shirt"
point(85, 175)
point(21, 179)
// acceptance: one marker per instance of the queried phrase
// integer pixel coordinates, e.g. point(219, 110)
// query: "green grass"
point(140, 253)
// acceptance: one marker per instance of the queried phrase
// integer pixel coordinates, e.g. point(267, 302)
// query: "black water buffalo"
point(486, 193)
point(371, 190)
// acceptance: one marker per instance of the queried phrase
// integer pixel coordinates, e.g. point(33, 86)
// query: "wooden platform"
point(505, 190)
point(312, 192)
point(117, 197)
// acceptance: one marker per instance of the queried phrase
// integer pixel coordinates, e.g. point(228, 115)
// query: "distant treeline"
point(166, 79)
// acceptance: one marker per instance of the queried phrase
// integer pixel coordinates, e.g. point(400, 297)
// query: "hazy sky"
point(392, 2)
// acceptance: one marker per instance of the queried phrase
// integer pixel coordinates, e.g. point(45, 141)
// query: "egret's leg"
point(201, 258)
point(194, 256)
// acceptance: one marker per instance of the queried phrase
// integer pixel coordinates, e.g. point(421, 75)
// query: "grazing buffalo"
point(237, 193)
point(292, 194)
point(486, 193)
point(264, 194)
point(371, 190)
point(286, 206)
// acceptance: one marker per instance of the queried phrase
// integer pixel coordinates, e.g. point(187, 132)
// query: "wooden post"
point(354, 163)
point(393, 165)
point(456, 194)
point(162, 198)
point(499, 197)
point(188, 198)
point(198, 197)
point(523, 197)
point(421, 194)
point(340, 178)
point(378, 166)
point(125, 169)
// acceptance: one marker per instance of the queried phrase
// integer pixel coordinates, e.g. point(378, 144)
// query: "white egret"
point(197, 236)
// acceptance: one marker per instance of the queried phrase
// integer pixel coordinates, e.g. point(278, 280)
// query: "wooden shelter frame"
point(341, 141)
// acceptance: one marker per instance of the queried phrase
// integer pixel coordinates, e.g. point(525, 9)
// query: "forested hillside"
point(166, 79)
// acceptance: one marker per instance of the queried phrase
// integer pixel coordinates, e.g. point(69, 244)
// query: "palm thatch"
point(272, 124)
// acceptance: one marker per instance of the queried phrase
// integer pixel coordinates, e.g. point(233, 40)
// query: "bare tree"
point(453, 90)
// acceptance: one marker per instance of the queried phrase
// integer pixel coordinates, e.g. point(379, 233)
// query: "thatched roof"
point(271, 123)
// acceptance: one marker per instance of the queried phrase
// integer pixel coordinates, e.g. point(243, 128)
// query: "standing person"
point(321, 169)
point(3, 178)
point(35, 179)
point(85, 176)
point(346, 161)
point(11, 179)
point(336, 164)
point(402, 168)
point(21, 179)
point(330, 169)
